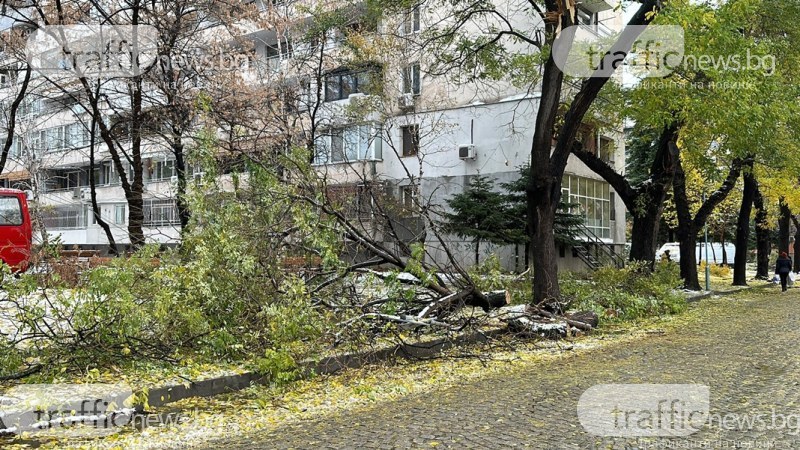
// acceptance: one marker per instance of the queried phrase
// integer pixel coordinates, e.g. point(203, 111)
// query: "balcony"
point(596, 6)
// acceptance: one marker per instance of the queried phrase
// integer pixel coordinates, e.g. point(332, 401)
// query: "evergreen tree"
point(566, 223)
point(482, 214)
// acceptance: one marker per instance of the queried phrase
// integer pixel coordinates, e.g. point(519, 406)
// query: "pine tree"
point(566, 223)
point(482, 214)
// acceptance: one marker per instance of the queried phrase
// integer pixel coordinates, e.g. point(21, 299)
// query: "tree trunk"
point(687, 235)
point(98, 216)
point(783, 227)
point(477, 252)
point(743, 228)
point(547, 161)
point(724, 252)
point(689, 226)
point(12, 116)
point(180, 168)
point(763, 244)
point(796, 244)
point(645, 201)
point(644, 232)
point(546, 290)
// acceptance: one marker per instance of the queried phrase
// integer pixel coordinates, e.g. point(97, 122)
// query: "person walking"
point(782, 267)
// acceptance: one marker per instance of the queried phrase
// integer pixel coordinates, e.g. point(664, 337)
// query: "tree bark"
point(645, 201)
point(98, 216)
point(12, 116)
point(783, 227)
point(547, 163)
point(743, 227)
point(689, 226)
point(724, 252)
point(180, 168)
point(763, 244)
point(796, 244)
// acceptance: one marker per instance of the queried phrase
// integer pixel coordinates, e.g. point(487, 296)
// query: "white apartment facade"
point(435, 136)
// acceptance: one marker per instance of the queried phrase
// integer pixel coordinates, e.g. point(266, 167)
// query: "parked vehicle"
point(16, 232)
point(714, 252)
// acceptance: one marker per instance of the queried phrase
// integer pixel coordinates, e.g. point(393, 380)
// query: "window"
point(30, 107)
point(341, 84)
point(606, 150)
point(591, 199)
point(411, 79)
point(110, 175)
point(65, 217)
point(353, 143)
point(411, 21)
point(163, 170)
point(274, 53)
point(119, 214)
point(10, 211)
point(37, 140)
point(410, 139)
point(586, 17)
point(160, 212)
point(408, 198)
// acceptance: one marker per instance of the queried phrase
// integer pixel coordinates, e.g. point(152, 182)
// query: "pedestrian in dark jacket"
point(782, 267)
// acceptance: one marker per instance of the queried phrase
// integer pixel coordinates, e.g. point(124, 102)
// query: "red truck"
point(16, 232)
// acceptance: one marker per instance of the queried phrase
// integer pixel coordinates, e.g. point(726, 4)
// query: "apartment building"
point(424, 141)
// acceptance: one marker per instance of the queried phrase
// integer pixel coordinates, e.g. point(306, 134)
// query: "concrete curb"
point(160, 396)
point(697, 298)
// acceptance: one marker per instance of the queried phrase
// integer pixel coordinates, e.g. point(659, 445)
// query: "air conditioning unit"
point(173, 179)
point(466, 152)
point(406, 101)
point(76, 193)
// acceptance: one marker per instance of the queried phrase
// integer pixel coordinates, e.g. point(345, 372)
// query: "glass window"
point(342, 83)
point(337, 145)
point(411, 79)
point(10, 211)
point(119, 214)
point(410, 139)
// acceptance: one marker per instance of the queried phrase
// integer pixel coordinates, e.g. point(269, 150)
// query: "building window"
point(591, 199)
point(119, 214)
point(353, 143)
point(586, 17)
point(160, 212)
point(410, 139)
point(342, 83)
point(163, 170)
point(411, 21)
point(411, 79)
point(408, 199)
point(605, 150)
point(64, 217)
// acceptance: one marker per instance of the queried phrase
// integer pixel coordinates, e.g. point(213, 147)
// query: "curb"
point(705, 295)
point(163, 395)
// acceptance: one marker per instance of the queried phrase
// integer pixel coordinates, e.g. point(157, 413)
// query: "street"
point(747, 355)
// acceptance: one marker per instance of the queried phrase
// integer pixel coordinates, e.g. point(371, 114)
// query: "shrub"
point(627, 293)
point(226, 294)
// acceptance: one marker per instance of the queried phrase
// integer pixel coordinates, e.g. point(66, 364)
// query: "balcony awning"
point(19, 175)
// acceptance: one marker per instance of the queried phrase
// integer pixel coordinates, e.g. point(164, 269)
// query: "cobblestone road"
point(745, 350)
